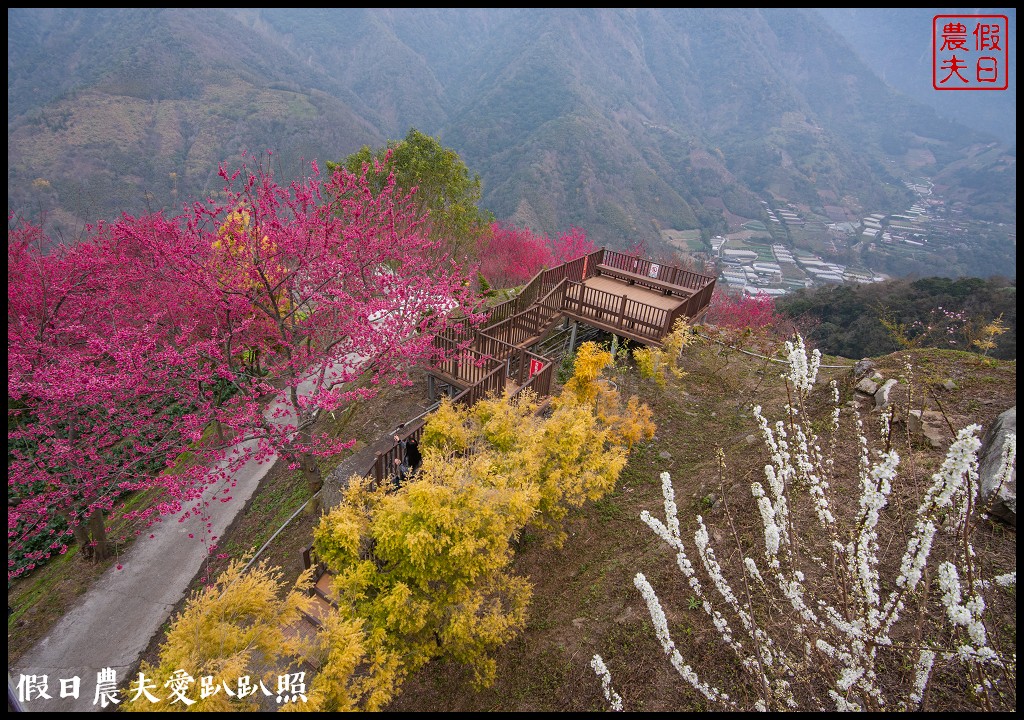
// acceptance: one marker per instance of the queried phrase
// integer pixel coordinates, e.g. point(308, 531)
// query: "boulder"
point(882, 395)
point(867, 386)
point(930, 425)
point(862, 368)
point(999, 497)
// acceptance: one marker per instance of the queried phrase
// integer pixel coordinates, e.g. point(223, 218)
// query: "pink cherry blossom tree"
point(95, 388)
point(250, 315)
point(570, 245)
point(741, 311)
point(510, 255)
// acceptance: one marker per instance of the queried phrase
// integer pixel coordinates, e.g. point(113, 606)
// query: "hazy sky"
point(897, 44)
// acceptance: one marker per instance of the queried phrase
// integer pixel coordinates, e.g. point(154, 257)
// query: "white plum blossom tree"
point(848, 623)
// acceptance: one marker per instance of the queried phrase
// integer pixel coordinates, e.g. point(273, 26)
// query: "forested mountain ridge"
point(620, 121)
point(874, 319)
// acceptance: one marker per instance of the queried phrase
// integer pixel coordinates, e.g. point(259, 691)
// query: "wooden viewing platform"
point(625, 295)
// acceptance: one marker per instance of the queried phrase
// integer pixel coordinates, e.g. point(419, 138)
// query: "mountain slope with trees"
point(619, 121)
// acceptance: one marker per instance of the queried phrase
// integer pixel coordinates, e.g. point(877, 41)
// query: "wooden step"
point(324, 584)
point(305, 632)
point(319, 610)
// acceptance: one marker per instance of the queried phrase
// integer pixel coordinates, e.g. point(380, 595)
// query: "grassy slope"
point(584, 599)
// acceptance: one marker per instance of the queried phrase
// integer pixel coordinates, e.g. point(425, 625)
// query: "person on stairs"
point(407, 461)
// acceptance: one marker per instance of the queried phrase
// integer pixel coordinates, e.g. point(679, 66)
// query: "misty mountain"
point(622, 122)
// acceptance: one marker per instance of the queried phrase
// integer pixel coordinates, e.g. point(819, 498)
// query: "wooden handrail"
point(649, 269)
point(560, 290)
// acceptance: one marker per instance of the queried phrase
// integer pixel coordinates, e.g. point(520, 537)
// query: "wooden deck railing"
point(485, 360)
point(665, 273)
point(384, 462)
point(541, 284)
point(576, 270)
point(615, 311)
point(468, 365)
point(561, 290)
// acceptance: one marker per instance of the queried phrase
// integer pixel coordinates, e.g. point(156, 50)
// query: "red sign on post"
point(970, 52)
point(535, 366)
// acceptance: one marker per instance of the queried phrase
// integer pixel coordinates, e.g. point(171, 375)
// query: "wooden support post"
point(622, 311)
point(668, 324)
point(572, 338)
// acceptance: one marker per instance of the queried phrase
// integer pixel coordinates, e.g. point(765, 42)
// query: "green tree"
point(445, 189)
point(426, 570)
point(878, 318)
point(232, 629)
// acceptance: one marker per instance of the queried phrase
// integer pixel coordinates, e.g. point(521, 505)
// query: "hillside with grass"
point(584, 598)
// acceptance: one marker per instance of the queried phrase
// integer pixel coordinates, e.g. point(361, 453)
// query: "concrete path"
point(124, 609)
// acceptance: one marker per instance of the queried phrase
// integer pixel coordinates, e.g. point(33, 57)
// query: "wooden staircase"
point(311, 621)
